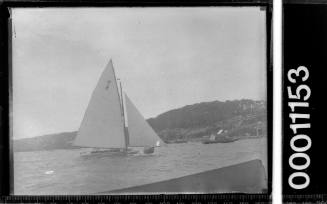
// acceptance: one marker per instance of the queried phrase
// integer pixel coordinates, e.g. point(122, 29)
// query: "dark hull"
point(109, 152)
point(148, 150)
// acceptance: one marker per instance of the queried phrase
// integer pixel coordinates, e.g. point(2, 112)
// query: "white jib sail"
point(103, 124)
point(140, 132)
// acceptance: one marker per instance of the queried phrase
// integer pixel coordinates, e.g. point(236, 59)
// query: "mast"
point(123, 115)
point(121, 108)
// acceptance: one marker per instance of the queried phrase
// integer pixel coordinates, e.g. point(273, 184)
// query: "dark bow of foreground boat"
point(247, 177)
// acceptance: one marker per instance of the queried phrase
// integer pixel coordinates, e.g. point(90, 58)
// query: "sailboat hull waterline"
point(111, 127)
point(108, 152)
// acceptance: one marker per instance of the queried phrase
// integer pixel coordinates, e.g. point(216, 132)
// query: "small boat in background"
point(219, 138)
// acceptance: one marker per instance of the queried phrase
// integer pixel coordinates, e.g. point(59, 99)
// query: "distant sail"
point(212, 137)
point(140, 132)
point(103, 124)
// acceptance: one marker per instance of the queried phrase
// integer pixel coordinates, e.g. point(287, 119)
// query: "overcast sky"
point(166, 57)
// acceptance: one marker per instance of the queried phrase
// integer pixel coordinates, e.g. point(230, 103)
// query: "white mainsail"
point(140, 132)
point(103, 124)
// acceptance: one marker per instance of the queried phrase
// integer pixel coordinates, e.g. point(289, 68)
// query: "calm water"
point(66, 172)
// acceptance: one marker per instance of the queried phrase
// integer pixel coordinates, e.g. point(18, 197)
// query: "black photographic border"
point(304, 43)
point(6, 155)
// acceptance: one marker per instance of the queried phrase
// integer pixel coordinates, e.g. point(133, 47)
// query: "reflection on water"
point(66, 172)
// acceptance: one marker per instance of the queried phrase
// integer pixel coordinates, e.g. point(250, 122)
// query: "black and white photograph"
point(139, 100)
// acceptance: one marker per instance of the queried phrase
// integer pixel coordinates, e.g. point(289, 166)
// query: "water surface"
point(66, 172)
